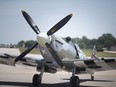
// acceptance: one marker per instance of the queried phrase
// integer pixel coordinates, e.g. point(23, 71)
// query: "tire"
point(71, 80)
point(92, 78)
point(36, 80)
point(75, 81)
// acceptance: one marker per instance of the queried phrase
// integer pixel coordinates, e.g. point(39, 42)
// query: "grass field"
point(34, 51)
point(99, 54)
point(87, 52)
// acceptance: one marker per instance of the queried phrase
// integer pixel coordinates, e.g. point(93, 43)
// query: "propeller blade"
point(25, 53)
point(31, 22)
point(59, 25)
point(55, 56)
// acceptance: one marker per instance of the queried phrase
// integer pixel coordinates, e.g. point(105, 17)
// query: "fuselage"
point(60, 46)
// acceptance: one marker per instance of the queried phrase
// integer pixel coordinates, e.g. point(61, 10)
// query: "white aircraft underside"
point(57, 53)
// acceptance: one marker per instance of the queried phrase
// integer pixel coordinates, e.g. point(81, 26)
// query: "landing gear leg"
point(74, 80)
point(37, 78)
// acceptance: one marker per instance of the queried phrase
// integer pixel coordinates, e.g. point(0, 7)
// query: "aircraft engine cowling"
point(47, 69)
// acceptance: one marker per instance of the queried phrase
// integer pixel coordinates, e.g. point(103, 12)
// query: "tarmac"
point(21, 76)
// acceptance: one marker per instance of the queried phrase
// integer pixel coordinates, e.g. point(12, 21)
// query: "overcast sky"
point(91, 18)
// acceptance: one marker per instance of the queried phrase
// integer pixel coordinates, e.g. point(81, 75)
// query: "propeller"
point(54, 29)
point(31, 22)
point(55, 56)
point(25, 53)
point(59, 25)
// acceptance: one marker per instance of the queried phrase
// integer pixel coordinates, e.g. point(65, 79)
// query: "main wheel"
point(71, 80)
point(75, 81)
point(36, 80)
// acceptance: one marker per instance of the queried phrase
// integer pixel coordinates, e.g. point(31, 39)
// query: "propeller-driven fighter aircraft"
point(58, 53)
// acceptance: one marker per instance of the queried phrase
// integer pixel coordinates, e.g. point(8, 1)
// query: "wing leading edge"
point(8, 55)
point(91, 64)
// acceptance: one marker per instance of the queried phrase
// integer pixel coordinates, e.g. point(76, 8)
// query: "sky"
point(91, 18)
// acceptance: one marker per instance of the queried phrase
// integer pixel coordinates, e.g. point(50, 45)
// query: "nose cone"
point(43, 38)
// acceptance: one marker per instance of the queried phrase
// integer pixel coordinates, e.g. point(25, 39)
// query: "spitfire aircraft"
point(58, 53)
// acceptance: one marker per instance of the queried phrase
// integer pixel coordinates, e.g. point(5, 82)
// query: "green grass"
point(99, 54)
point(34, 51)
point(87, 52)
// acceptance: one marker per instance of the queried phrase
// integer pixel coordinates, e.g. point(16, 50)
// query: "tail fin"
point(93, 52)
point(93, 55)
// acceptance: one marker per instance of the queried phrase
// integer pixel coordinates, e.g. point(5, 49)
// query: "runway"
point(21, 76)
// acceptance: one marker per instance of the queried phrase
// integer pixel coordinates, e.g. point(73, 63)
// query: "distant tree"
point(107, 40)
point(21, 43)
point(29, 43)
point(86, 42)
point(93, 42)
point(80, 42)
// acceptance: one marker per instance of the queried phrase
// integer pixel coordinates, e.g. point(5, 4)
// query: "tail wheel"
point(92, 78)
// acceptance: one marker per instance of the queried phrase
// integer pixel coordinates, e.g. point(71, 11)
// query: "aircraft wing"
point(92, 64)
point(7, 57)
point(30, 59)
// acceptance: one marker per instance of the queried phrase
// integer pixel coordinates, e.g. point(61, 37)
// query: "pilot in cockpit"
point(69, 41)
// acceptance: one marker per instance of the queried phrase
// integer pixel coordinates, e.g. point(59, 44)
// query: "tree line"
point(105, 41)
